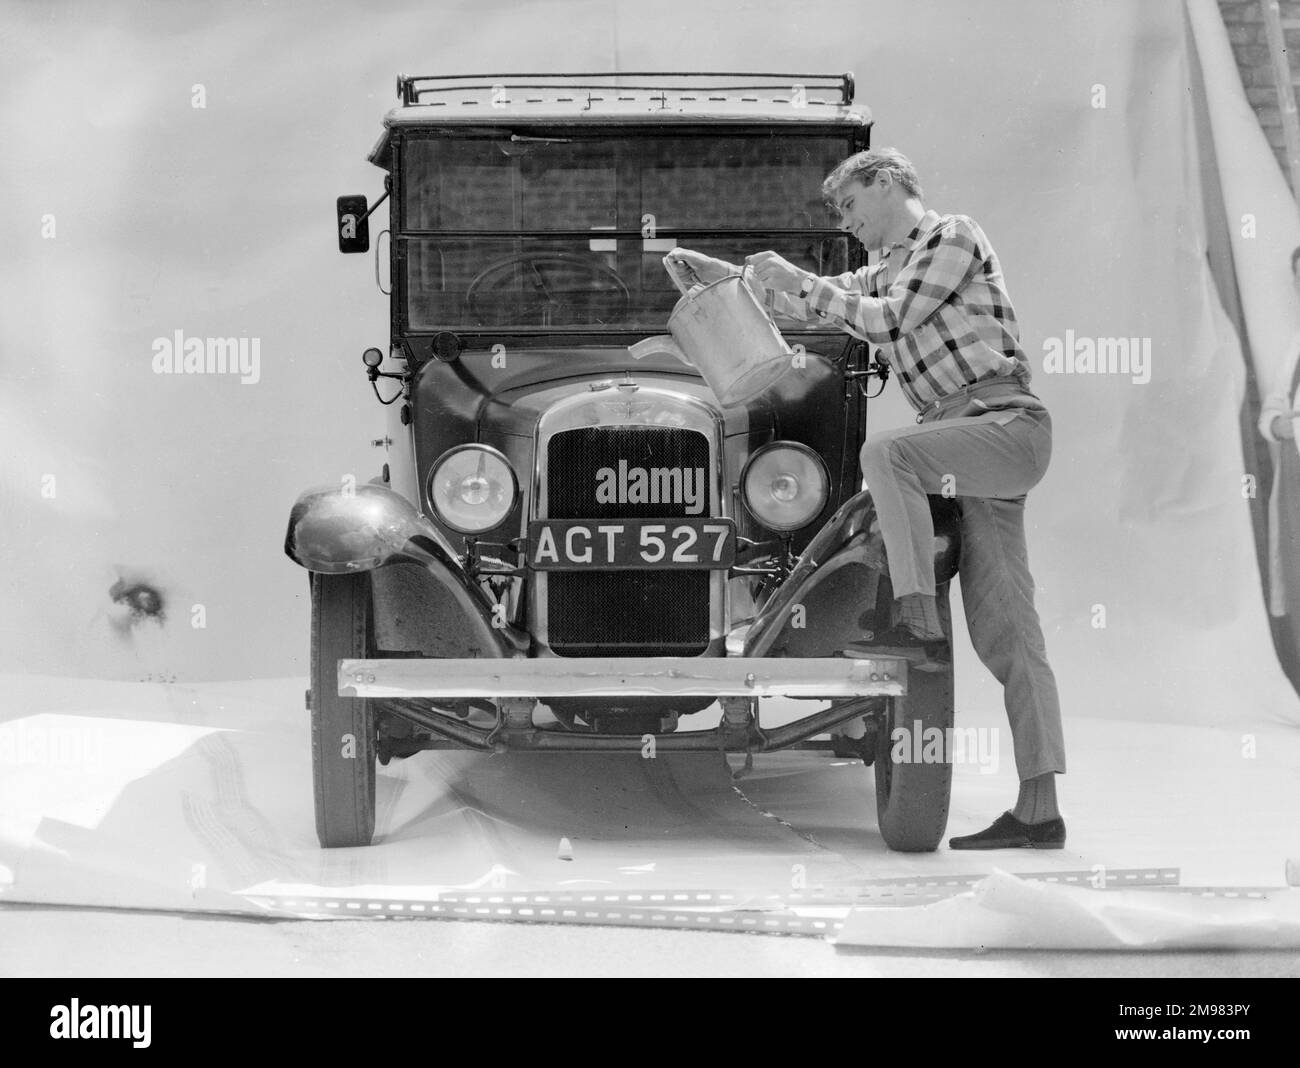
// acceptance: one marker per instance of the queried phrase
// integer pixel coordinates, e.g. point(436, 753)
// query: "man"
point(1277, 427)
point(935, 304)
point(1276, 419)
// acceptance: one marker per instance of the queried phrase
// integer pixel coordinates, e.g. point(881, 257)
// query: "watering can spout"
point(661, 343)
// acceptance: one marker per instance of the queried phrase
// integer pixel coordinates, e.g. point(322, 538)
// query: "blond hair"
point(864, 166)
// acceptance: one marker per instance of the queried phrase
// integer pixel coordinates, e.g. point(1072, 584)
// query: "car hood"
point(517, 411)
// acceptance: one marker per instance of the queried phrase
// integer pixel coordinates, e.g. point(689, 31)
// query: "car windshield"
point(569, 233)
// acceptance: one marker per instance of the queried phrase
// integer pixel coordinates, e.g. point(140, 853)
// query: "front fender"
point(368, 528)
point(834, 593)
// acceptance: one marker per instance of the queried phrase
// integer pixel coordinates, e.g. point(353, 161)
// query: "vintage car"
point(569, 548)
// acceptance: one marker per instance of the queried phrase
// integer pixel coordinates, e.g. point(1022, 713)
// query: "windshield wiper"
point(543, 140)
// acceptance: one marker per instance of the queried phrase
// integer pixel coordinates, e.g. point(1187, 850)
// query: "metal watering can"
point(722, 331)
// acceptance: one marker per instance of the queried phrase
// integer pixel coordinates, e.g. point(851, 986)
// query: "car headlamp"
point(785, 485)
point(472, 488)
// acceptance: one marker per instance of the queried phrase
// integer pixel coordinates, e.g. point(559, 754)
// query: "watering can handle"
point(770, 301)
point(746, 276)
point(670, 265)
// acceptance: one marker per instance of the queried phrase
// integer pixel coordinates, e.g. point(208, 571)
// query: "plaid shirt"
point(935, 304)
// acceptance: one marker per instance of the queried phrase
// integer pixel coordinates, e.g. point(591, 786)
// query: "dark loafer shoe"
point(1007, 832)
point(899, 641)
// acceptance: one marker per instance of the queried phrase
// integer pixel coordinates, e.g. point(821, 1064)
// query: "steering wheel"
point(604, 296)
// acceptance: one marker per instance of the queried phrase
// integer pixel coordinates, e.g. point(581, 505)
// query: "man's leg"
point(997, 592)
point(998, 595)
point(1000, 454)
point(989, 461)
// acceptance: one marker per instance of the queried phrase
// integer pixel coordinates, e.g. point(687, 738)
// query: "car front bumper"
point(412, 686)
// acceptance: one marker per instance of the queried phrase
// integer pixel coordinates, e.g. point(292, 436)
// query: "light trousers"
point(989, 462)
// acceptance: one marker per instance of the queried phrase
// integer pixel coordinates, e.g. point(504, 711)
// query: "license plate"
point(616, 544)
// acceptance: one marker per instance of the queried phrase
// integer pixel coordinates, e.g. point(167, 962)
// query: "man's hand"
point(695, 267)
point(1283, 427)
point(777, 273)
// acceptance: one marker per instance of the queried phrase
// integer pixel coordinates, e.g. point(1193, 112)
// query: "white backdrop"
point(1063, 128)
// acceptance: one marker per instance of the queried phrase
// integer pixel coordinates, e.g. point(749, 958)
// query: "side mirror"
point(354, 226)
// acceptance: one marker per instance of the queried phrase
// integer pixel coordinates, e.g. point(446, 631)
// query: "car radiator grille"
point(629, 613)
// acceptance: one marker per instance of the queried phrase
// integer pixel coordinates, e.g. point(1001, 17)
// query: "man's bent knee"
point(876, 451)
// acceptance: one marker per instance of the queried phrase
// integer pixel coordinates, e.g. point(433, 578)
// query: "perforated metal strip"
point(816, 912)
point(506, 909)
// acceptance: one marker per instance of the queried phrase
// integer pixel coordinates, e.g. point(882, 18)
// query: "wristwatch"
point(807, 287)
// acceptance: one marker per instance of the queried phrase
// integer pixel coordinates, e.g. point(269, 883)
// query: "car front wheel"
point(913, 765)
point(342, 728)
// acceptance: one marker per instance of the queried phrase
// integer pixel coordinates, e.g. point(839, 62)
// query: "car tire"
point(912, 796)
point(342, 728)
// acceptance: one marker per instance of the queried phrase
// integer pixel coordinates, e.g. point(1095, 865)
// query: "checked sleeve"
point(950, 257)
point(1278, 401)
point(794, 307)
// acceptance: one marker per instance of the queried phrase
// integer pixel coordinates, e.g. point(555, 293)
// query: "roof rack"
point(835, 89)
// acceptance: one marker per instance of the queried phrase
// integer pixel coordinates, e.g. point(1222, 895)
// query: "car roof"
point(484, 102)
